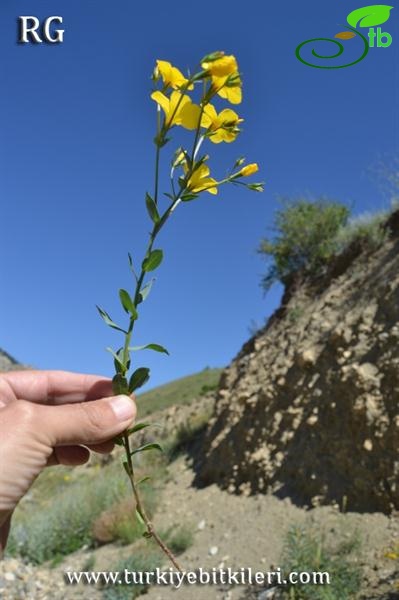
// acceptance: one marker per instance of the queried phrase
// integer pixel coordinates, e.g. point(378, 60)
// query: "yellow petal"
point(162, 100)
point(164, 67)
point(210, 182)
point(176, 105)
point(171, 75)
point(249, 170)
point(197, 177)
point(216, 137)
point(209, 116)
point(227, 136)
point(226, 65)
point(210, 110)
point(178, 100)
point(203, 170)
point(180, 160)
point(232, 94)
point(229, 116)
point(189, 116)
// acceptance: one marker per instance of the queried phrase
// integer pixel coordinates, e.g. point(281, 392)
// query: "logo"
point(368, 17)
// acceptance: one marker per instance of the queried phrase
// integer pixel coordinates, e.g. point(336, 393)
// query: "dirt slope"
point(309, 408)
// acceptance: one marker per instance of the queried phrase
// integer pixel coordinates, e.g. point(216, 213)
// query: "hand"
point(48, 418)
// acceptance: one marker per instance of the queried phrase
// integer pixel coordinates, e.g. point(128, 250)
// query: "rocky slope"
point(309, 407)
point(7, 362)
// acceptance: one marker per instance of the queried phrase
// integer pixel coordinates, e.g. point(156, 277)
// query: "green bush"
point(140, 562)
point(179, 538)
point(305, 239)
point(307, 551)
point(62, 523)
point(123, 524)
point(366, 228)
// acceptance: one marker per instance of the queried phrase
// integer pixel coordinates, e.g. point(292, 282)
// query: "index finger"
point(57, 387)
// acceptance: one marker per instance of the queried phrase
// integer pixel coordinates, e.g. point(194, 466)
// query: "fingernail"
point(123, 407)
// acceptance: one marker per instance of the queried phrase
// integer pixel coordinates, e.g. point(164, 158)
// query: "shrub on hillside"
point(366, 228)
point(305, 239)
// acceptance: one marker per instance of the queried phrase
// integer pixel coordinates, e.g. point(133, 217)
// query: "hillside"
point(7, 362)
point(179, 391)
point(309, 407)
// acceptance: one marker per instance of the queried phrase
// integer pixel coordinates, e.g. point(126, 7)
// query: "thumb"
point(87, 422)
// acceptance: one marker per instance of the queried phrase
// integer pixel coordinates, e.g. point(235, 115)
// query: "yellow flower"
point(178, 109)
point(248, 170)
point(228, 88)
point(226, 80)
point(200, 180)
point(171, 76)
point(180, 158)
point(392, 555)
point(222, 66)
point(223, 127)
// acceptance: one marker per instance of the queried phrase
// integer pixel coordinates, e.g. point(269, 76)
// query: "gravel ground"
point(230, 531)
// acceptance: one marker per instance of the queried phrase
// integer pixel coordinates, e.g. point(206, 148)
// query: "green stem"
point(157, 156)
point(197, 132)
point(130, 470)
point(140, 508)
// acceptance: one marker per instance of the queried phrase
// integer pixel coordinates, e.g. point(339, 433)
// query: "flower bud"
point(249, 170)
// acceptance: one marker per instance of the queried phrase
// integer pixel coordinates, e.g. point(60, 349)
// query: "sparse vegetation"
point(367, 228)
point(179, 538)
point(142, 562)
point(180, 391)
point(59, 523)
point(309, 234)
point(295, 313)
point(88, 508)
point(118, 523)
point(307, 551)
point(304, 240)
point(185, 433)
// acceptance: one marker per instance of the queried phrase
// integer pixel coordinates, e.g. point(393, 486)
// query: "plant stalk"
point(141, 510)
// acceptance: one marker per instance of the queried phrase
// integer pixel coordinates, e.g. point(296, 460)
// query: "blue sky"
point(76, 158)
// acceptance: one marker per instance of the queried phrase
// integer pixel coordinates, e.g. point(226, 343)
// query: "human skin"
point(49, 418)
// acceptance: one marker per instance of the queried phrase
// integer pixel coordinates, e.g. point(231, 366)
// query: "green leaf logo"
point(369, 16)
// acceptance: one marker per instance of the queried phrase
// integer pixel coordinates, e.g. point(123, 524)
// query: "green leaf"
point(131, 265)
point(152, 261)
point(143, 480)
point(107, 319)
point(152, 446)
point(164, 142)
point(119, 384)
point(369, 16)
point(138, 427)
point(139, 378)
point(152, 208)
point(146, 290)
point(128, 303)
point(118, 361)
point(188, 197)
point(140, 518)
point(156, 347)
